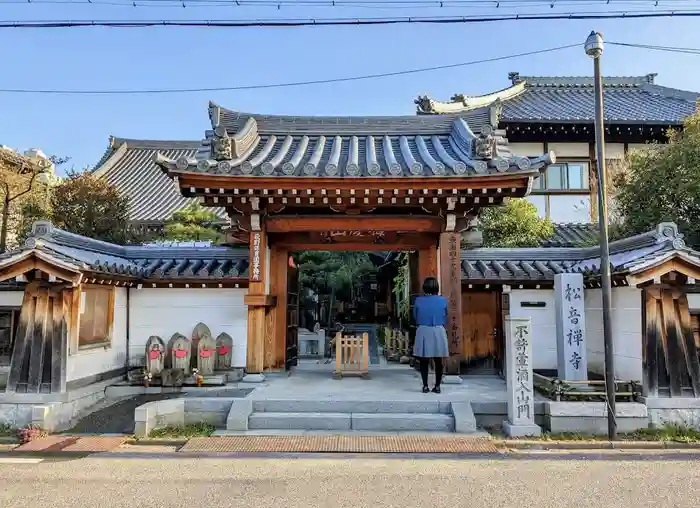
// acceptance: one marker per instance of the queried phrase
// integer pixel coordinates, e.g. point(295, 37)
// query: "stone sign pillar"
point(571, 327)
point(521, 394)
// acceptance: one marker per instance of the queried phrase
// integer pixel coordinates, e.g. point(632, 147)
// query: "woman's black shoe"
point(436, 389)
point(426, 389)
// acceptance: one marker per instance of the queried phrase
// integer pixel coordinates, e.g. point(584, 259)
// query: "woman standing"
point(430, 315)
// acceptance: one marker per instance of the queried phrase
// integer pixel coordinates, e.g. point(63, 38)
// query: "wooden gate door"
point(292, 340)
point(482, 330)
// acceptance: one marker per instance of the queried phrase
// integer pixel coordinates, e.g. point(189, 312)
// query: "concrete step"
point(351, 406)
point(380, 422)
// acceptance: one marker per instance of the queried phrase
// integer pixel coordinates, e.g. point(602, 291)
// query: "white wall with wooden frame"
point(97, 338)
point(165, 311)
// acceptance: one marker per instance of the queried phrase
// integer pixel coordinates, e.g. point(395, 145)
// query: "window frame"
point(106, 343)
point(14, 312)
point(564, 168)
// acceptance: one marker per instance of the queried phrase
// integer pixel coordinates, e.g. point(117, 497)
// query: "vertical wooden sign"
point(256, 313)
point(257, 257)
point(451, 288)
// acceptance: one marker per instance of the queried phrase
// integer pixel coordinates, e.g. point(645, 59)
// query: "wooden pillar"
point(276, 319)
point(427, 263)
point(38, 362)
point(451, 288)
point(256, 299)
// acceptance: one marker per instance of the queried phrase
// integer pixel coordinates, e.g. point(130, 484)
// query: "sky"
point(79, 126)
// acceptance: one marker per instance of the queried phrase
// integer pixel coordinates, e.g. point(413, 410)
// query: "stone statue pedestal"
point(253, 378)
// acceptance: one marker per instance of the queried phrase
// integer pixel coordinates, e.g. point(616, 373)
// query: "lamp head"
point(594, 44)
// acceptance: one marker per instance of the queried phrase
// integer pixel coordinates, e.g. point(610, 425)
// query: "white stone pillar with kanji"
point(521, 393)
point(569, 309)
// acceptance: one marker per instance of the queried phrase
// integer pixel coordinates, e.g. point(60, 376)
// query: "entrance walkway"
point(393, 382)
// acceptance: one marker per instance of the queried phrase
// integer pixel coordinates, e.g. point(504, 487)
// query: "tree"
point(517, 224)
point(21, 178)
point(194, 223)
point(662, 183)
point(333, 274)
point(88, 205)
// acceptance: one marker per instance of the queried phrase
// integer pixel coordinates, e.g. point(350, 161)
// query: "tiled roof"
point(572, 235)
point(410, 146)
point(137, 262)
point(128, 164)
point(627, 100)
point(542, 264)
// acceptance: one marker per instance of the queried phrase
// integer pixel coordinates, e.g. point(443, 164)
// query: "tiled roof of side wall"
point(153, 195)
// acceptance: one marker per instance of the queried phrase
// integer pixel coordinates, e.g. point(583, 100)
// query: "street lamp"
point(594, 48)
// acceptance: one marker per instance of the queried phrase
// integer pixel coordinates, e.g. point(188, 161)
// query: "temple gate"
point(406, 183)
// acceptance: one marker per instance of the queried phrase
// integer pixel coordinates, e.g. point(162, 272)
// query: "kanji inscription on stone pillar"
point(571, 327)
point(521, 393)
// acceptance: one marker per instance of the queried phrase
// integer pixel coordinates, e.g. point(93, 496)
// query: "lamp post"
point(594, 48)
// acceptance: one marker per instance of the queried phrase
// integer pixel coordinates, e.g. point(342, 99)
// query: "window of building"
point(96, 316)
point(564, 176)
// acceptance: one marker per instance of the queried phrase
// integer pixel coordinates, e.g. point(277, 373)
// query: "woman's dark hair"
point(431, 286)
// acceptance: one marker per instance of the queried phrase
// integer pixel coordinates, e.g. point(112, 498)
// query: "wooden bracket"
point(260, 300)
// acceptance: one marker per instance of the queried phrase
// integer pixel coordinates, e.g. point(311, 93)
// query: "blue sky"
point(104, 58)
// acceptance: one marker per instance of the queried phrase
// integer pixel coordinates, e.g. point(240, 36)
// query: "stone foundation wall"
point(682, 411)
point(51, 412)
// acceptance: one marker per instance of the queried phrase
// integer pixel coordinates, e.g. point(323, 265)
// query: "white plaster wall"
point(614, 150)
point(165, 311)
point(563, 150)
point(11, 298)
point(637, 146)
point(527, 149)
point(627, 332)
point(544, 329)
point(90, 362)
point(568, 208)
point(540, 202)
point(694, 302)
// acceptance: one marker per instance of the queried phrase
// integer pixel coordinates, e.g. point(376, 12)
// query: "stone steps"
point(352, 421)
point(351, 415)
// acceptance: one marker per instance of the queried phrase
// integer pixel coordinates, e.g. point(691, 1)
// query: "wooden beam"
point(654, 273)
point(388, 242)
point(325, 223)
point(492, 181)
point(260, 300)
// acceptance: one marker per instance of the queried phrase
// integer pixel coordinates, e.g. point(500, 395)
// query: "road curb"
point(598, 445)
point(156, 442)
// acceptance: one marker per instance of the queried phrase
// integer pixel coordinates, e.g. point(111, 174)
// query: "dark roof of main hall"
point(547, 99)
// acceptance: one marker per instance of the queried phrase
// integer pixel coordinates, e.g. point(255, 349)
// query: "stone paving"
point(400, 383)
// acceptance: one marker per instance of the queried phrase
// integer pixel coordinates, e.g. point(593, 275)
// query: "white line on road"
point(20, 460)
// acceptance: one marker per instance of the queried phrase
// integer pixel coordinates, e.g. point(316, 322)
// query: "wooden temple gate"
point(405, 183)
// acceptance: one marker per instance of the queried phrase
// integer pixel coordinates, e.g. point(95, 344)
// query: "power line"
point(669, 49)
point(288, 23)
point(361, 4)
point(672, 49)
point(289, 84)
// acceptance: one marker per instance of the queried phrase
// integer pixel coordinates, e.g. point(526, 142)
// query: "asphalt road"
point(356, 483)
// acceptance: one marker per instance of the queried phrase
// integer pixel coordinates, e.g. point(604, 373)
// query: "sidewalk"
point(80, 446)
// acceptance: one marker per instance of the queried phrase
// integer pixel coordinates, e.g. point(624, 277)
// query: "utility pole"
point(594, 48)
